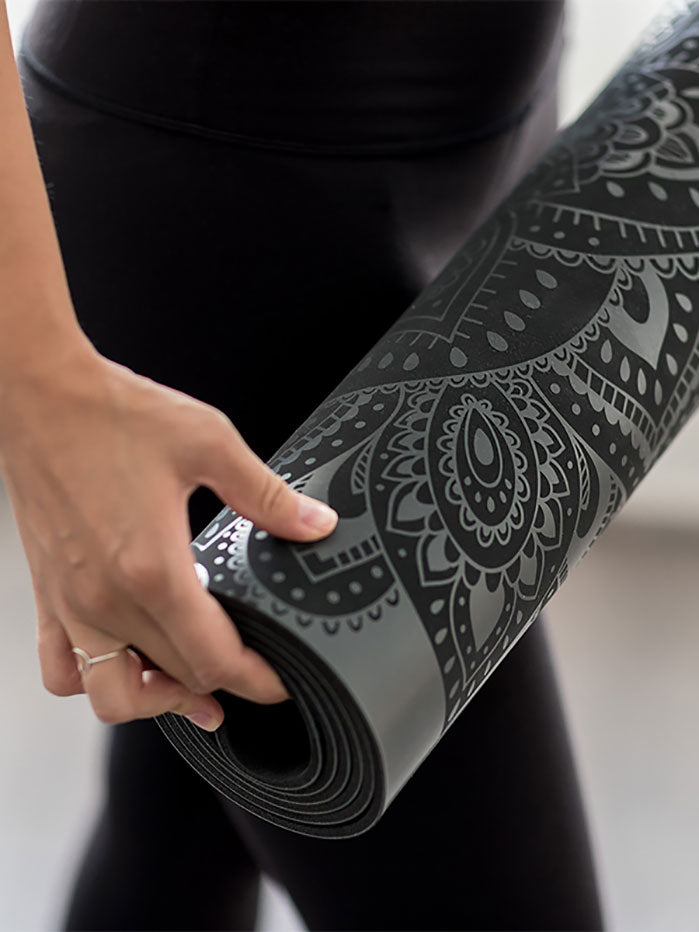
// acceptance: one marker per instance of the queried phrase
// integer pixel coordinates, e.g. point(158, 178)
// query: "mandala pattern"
point(484, 443)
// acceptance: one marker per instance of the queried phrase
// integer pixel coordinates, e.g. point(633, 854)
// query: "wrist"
point(62, 362)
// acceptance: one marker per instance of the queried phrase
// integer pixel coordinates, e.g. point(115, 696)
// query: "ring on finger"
point(85, 661)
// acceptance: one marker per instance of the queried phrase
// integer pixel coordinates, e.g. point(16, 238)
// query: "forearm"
point(39, 331)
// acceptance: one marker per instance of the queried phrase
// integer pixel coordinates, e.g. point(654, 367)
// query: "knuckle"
point(216, 417)
point(92, 593)
point(111, 711)
point(222, 419)
point(179, 704)
point(193, 684)
point(141, 572)
point(56, 685)
point(215, 431)
point(209, 676)
point(273, 489)
point(57, 677)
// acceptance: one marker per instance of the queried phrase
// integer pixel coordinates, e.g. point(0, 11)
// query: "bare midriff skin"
point(99, 477)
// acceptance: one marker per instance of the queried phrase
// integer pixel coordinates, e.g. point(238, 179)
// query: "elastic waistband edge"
point(379, 149)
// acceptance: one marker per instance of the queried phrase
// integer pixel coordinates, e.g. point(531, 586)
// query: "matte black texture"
point(474, 456)
point(355, 76)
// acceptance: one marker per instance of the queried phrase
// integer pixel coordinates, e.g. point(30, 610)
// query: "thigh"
point(162, 853)
point(489, 833)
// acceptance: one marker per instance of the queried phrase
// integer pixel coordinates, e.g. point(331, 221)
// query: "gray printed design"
point(485, 442)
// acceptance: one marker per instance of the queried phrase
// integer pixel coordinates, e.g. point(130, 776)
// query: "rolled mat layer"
point(474, 455)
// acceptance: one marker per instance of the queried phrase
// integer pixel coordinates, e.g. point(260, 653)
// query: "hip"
point(393, 77)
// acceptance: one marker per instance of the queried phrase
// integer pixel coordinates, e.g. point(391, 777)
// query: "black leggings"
point(254, 277)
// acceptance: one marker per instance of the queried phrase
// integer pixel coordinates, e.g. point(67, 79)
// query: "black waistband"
point(349, 74)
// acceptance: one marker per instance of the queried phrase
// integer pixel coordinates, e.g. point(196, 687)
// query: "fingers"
point(203, 647)
point(181, 626)
point(224, 462)
point(196, 642)
point(148, 595)
point(120, 689)
point(59, 672)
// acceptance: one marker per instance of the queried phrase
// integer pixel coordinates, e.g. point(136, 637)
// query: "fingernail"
point(315, 514)
point(204, 720)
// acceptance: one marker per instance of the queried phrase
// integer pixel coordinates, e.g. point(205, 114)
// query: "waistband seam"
point(114, 108)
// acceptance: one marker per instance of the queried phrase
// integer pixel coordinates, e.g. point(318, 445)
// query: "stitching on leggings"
point(195, 129)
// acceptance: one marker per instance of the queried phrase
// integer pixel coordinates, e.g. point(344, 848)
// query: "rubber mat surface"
point(474, 455)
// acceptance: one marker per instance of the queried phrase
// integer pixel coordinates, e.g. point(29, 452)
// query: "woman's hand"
point(99, 464)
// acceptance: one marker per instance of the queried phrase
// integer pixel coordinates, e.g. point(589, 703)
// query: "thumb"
point(248, 485)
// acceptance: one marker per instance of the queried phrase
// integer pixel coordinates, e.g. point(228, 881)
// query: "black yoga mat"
point(474, 455)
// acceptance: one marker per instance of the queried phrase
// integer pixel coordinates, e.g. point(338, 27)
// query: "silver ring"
point(85, 661)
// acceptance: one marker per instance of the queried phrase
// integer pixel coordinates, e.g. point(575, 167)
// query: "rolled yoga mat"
point(474, 455)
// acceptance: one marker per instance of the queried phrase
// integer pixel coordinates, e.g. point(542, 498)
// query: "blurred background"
point(623, 628)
